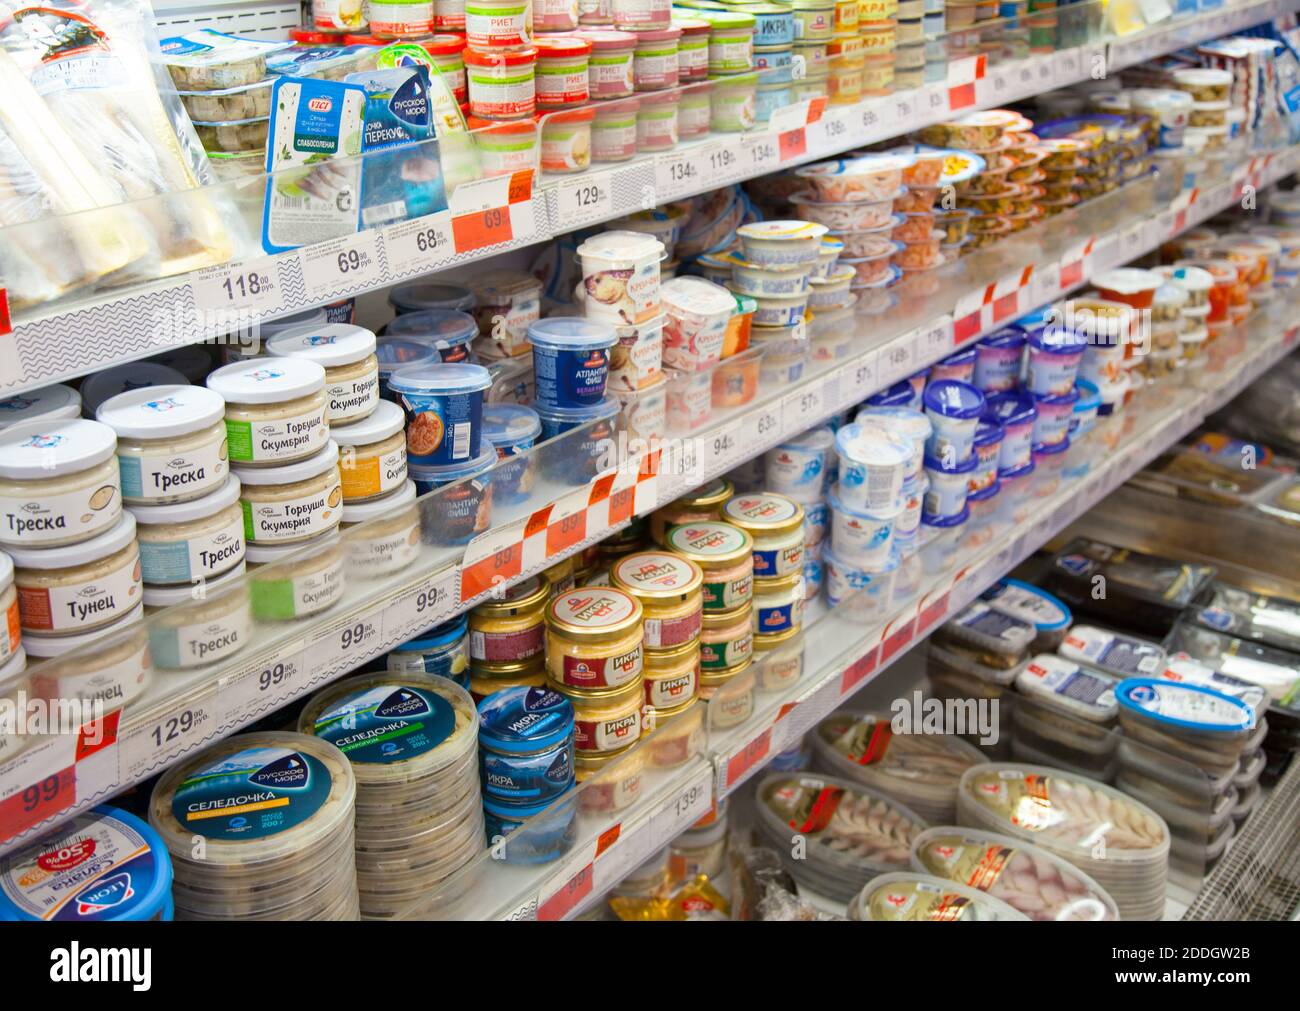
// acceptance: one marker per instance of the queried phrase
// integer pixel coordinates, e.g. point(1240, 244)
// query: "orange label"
point(15, 629)
point(361, 479)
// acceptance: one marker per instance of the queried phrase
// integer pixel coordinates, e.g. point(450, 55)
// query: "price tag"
point(1105, 253)
point(801, 409)
point(480, 229)
point(583, 200)
point(931, 614)
point(525, 911)
point(1067, 61)
point(691, 803)
point(264, 686)
point(722, 450)
point(858, 380)
point(901, 110)
point(6, 320)
point(968, 316)
point(1006, 302)
point(677, 173)
point(933, 342)
point(723, 161)
point(252, 287)
point(425, 605)
point(345, 265)
point(482, 211)
point(158, 741)
point(1025, 78)
point(767, 424)
point(568, 896)
point(566, 526)
point(932, 103)
point(748, 758)
point(895, 362)
point(419, 245)
point(1046, 73)
point(344, 647)
point(857, 672)
point(1075, 264)
point(759, 152)
point(492, 558)
point(897, 641)
point(49, 774)
point(871, 120)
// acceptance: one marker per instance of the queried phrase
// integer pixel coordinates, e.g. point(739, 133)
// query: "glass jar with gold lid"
point(703, 504)
point(672, 677)
point(609, 780)
point(669, 589)
point(605, 719)
point(726, 638)
point(676, 734)
point(777, 525)
point(725, 553)
point(594, 639)
point(730, 695)
point(513, 628)
point(484, 679)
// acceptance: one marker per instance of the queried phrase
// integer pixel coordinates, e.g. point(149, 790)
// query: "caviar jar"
point(671, 677)
point(510, 630)
point(675, 735)
point(776, 525)
point(525, 745)
point(705, 504)
point(488, 678)
point(730, 695)
point(561, 576)
point(668, 588)
point(727, 638)
point(610, 780)
point(778, 659)
point(607, 719)
point(778, 603)
point(594, 639)
point(725, 553)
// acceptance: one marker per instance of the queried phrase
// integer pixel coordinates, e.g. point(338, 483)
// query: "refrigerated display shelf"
point(53, 780)
point(494, 215)
point(846, 660)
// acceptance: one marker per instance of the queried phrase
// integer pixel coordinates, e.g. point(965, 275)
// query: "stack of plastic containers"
point(260, 827)
point(801, 470)
point(1119, 842)
point(913, 896)
point(410, 741)
point(1066, 716)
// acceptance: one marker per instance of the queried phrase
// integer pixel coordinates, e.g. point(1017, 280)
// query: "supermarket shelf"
point(51, 781)
point(843, 660)
point(74, 338)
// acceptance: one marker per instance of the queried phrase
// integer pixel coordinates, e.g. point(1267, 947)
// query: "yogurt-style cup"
point(959, 366)
point(949, 487)
point(954, 409)
point(873, 462)
point(1084, 415)
point(1017, 412)
point(1054, 357)
point(1052, 424)
point(513, 430)
point(781, 243)
point(909, 423)
point(698, 312)
point(766, 281)
point(988, 451)
point(909, 520)
point(799, 467)
point(861, 594)
point(861, 539)
point(571, 359)
point(620, 277)
point(997, 361)
point(444, 411)
point(787, 310)
point(1129, 285)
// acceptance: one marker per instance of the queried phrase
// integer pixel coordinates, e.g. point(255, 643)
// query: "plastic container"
point(611, 64)
point(954, 409)
point(698, 313)
point(444, 409)
point(526, 745)
point(860, 539)
point(858, 594)
point(620, 274)
point(502, 84)
point(997, 361)
point(513, 430)
point(1018, 413)
point(910, 896)
point(1054, 357)
point(1195, 723)
point(458, 514)
point(449, 331)
point(781, 243)
point(571, 361)
point(873, 463)
point(422, 296)
point(563, 71)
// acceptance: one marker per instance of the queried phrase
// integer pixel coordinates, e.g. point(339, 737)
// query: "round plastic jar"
point(555, 16)
point(50, 403)
point(191, 541)
point(449, 15)
point(694, 114)
point(448, 55)
point(671, 676)
point(382, 536)
point(725, 554)
point(291, 581)
point(507, 301)
point(293, 502)
point(730, 696)
point(116, 672)
point(702, 505)
point(171, 442)
point(606, 719)
point(776, 525)
point(59, 482)
point(613, 131)
point(442, 651)
point(654, 61)
point(512, 629)
point(525, 738)
point(668, 588)
point(444, 410)
point(276, 409)
point(778, 603)
point(496, 24)
point(594, 639)
point(78, 587)
point(610, 781)
point(674, 734)
point(464, 510)
point(692, 50)
point(733, 103)
point(641, 15)
point(503, 149)
point(773, 23)
point(563, 71)
point(570, 361)
point(372, 454)
point(656, 122)
point(731, 41)
point(185, 632)
point(347, 353)
point(726, 639)
point(502, 85)
point(610, 67)
point(778, 659)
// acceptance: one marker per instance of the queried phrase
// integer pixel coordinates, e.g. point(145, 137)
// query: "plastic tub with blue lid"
point(513, 429)
point(1050, 618)
point(442, 650)
point(1193, 722)
point(530, 834)
point(570, 361)
point(988, 451)
point(447, 330)
point(901, 394)
point(959, 366)
point(457, 514)
point(396, 353)
point(423, 295)
point(444, 411)
point(954, 410)
point(1084, 414)
point(998, 359)
point(949, 486)
point(1054, 356)
point(525, 745)
point(1017, 412)
point(102, 864)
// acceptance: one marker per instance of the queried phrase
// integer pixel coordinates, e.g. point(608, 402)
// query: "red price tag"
point(856, 673)
point(6, 324)
point(786, 709)
point(896, 642)
point(504, 564)
point(608, 838)
point(565, 533)
point(1180, 220)
point(1006, 307)
point(931, 614)
point(793, 143)
point(1071, 274)
point(965, 327)
point(745, 759)
point(481, 229)
point(570, 894)
point(53, 795)
point(961, 97)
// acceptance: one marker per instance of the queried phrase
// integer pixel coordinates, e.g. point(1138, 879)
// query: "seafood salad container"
point(1028, 879)
point(907, 895)
point(1120, 842)
point(853, 833)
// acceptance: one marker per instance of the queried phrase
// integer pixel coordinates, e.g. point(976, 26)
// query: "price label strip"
point(260, 687)
point(488, 212)
point(582, 201)
point(856, 673)
point(419, 245)
point(963, 74)
point(759, 152)
point(677, 173)
point(791, 124)
point(342, 267)
point(45, 786)
point(895, 362)
point(1075, 265)
point(1008, 296)
point(747, 758)
point(344, 647)
point(425, 605)
point(969, 316)
point(157, 742)
point(6, 320)
point(252, 288)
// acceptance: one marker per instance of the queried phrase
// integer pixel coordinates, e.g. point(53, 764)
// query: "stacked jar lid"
point(410, 740)
point(260, 826)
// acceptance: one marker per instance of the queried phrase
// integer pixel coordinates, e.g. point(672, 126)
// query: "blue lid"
point(1043, 626)
point(953, 399)
point(1057, 399)
point(1057, 340)
point(1151, 697)
point(1024, 470)
point(900, 394)
point(447, 473)
point(411, 298)
point(440, 636)
point(1055, 128)
point(442, 377)
point(920, 374)
point(571, 332)
point(1007, 337)
point(963, 357)
point(989, 430)
point(398, 352)
point(985, 493)
point(607, 408)
point(1014, 407)
point(443, 328)
point(524, 719)
point(1052, 449)
point(507, 425)
point(1089, 396)
point(965, 467)
point(1036, 318)
point(931, 520)
point(84, 883)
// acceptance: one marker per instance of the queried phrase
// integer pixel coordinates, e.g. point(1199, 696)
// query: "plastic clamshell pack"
point(909, 895)
point(1069, 687)
point(1030, 880)
point(1183, 709)
point(1030, 604)
point(1269, 620)
point(1113, 652)
point(999, 636)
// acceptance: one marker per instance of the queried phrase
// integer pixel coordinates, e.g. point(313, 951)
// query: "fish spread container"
point(444, 408)
point(700, 506)
point(991, 638)
point(997, 361)
point(571, 361)
point(422, 296)
point(347, 353)
point(562, 71)
point(50, 403)
point(724, 553)
point(450, 331)
point(1113, 652)
point(781, 243)
point(697, 315)
point(525, 745)
point(610, 69)
point(1118, 841)
point(1033, 606)
point(510, 630)
point(1054, 357)
point(442, 651)
point(502, 84)
point(276, 409)
point(1064, 686)
point(1197, 724)
point(1031, 880)
point(191, 541)
point(873, 463)
point(916, 768)
point(395, 353)
point(594, 639)
point(910, 896)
